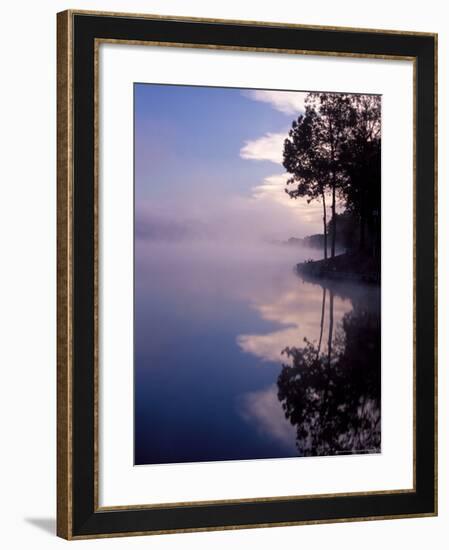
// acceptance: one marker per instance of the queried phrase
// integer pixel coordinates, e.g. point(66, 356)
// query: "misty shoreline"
point(355, 266)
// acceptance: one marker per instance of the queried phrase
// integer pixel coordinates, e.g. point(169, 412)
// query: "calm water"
point(212, 379)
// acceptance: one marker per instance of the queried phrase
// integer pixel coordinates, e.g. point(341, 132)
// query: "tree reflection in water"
point(333, 397)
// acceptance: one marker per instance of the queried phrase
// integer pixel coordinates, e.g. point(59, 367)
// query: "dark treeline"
point(332, 153)
point(312, 241)
point(347, 237)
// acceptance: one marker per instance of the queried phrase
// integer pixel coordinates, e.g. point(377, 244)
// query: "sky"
point(208, 161)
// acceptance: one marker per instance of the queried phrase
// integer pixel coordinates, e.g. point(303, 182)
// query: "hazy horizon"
point(208, 163)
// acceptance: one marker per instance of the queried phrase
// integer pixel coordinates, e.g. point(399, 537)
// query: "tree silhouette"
point(313, 151)
point(333, 149)
point(361, 159)
point(301, 159)
point(323, 309)
point(333, 398)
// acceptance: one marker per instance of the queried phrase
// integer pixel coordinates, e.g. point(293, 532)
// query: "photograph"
point(257, 273)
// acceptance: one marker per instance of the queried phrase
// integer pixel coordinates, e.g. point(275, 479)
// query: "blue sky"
point(210, 154)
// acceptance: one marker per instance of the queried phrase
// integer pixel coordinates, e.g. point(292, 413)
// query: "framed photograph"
point(246, 274)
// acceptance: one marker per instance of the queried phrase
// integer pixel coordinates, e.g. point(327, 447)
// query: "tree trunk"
point(324, 226)
point(334, 185)
point(362, 224)
point(323, 309)
point(331, 328)
point(334, 222)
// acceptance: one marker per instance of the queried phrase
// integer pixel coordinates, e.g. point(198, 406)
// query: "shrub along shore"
point(355, 266)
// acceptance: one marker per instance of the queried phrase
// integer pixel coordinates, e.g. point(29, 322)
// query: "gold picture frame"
point(76, 519)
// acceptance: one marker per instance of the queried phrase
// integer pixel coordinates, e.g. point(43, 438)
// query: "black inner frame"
point(88, 521)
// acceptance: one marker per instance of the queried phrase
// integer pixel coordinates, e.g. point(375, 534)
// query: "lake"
point(212, 378)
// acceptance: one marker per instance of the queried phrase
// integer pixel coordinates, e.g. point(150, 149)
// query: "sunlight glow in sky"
point(211, 159)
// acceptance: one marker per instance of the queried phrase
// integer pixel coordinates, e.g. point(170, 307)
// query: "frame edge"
point(435, 249)
point(64, 259)
point(64, 247)
point(243, 22)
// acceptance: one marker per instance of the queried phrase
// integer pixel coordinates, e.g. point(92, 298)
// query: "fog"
point(234, 269)
point(213, 317)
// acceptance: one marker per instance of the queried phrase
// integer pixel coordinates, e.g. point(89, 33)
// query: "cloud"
point(272, 189)
point(289, 103)
point(268, 147)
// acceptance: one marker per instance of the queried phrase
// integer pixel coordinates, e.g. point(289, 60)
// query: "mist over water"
point(244, 270)
point(212, 318)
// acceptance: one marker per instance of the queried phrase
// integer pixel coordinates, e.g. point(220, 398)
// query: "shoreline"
point(344, 267)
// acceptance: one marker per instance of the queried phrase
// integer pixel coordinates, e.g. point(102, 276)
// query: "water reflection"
point(332, 397)
point(243, 359)
point(264, 407)
point(298, 307)
point(329, 385)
